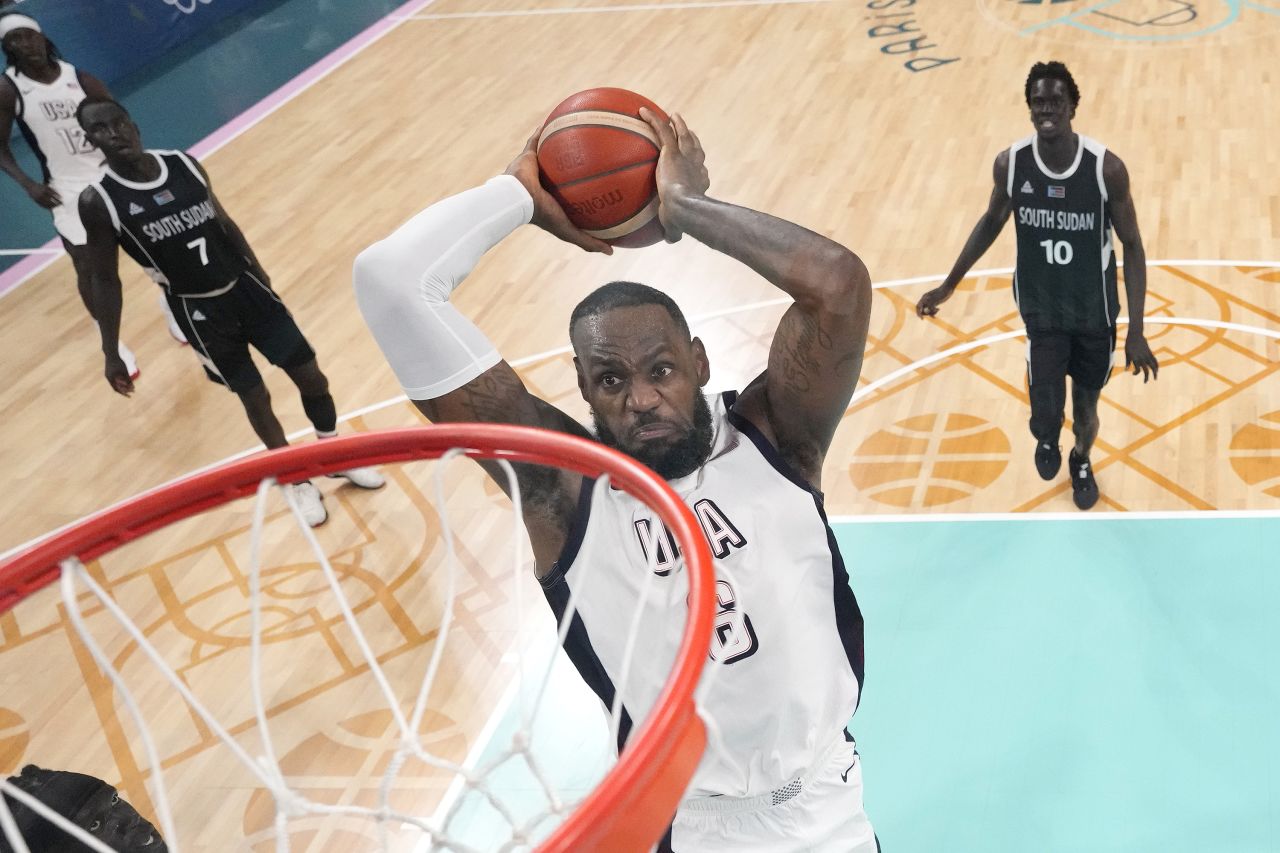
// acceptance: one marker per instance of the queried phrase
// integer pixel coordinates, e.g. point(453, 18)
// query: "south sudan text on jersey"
point(179, 223)
point(1063, 220)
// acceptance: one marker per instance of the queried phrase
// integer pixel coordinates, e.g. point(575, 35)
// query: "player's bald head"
point(625, 294)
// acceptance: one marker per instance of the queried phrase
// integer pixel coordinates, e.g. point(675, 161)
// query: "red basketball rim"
point(633, 805)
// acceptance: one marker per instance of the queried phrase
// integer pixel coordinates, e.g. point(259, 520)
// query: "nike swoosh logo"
point(844, 777)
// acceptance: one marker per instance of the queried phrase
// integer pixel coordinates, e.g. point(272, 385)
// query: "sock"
point(322, 413)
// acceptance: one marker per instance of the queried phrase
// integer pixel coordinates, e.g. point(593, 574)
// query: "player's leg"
point(276, 335)
point(1084, 415)
point(257, 405)
point(213, 327)
point(318, 403)
point(1048, 357)
point(1090, 368)
point(1084, 418)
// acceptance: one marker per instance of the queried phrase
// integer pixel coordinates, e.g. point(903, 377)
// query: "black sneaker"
point(1048, 460)
point(1084, 488)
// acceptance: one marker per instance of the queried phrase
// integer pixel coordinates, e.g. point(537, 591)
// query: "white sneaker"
point(365, 478)
point(175, 331)
point(129, 359)
point(310, 501)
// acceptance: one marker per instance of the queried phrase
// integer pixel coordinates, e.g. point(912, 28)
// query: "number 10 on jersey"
point(1057, 252)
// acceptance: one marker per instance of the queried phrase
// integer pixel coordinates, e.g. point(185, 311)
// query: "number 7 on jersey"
point(202, 245)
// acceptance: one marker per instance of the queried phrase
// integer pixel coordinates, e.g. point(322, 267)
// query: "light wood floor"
point(805, 114)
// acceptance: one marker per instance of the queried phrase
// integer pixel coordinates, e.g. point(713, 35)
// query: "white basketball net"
point(470, 784)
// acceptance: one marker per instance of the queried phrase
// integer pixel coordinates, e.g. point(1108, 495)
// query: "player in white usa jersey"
point(750, 465)
point(40, 92)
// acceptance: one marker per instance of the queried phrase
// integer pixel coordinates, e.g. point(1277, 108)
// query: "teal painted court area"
point(1070, 685)
point(1056, 686)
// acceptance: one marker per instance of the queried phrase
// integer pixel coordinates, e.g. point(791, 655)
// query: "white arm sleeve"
point(403, 285)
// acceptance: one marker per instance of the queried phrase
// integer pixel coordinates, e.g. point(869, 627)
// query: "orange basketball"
point(598, 159)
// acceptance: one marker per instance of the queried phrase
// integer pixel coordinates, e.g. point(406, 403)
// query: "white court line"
point(458, 786)
point(858, 395)
point(632, 7)
point(309, 78)
point(693, 321)
point(895, 375)
point(25, 252)
point(1105, 515)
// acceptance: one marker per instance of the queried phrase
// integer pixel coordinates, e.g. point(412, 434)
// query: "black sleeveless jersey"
point(171, 228)
point(1066, 274)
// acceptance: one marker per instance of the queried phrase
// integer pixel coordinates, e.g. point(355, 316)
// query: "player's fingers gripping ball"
point(598, 159)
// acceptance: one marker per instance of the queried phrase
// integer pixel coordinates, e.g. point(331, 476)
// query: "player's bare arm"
point(980, 239)
point(1137, 353)
point(496, 395)
point(104, 274)
point(231, 228)
point(93, 87)
point(817, 349)
point(42, 194)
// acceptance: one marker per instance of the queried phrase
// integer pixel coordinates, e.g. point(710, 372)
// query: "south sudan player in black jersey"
point(1068, 191)
point(160, 207)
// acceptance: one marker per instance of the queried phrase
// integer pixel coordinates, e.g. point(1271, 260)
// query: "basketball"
point(598, 159)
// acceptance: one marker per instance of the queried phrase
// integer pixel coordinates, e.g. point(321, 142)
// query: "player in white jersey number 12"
point(41, 91)
point(749, 464)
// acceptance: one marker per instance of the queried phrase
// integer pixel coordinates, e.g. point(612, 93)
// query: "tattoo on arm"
point(499, 396)
point(797, 355)
point(818, 359)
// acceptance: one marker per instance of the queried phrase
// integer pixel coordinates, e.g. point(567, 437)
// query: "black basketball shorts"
point(221, 329)
point(1052, 356)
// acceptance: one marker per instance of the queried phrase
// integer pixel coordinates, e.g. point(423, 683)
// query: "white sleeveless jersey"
point(788, 629)
point(46, 114)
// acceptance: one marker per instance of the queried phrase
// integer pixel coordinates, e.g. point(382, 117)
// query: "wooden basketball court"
point(873, 123)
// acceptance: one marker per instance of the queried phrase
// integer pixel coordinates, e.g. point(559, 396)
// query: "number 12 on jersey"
point(1057, 252)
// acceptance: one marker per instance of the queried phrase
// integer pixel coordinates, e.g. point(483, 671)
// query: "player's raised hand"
point(118, 375)
point(1138, 356)
point(682, 170)
point(547, 212)
point(928, 304)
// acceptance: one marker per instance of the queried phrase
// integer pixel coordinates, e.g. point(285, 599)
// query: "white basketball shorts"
point(820, 812)
point(66, 216)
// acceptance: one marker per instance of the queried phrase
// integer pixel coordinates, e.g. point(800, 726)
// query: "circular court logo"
point(344, 765)
point(1129, 21)
point(14, 737)
point(928, 460)
point(1255, 454)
